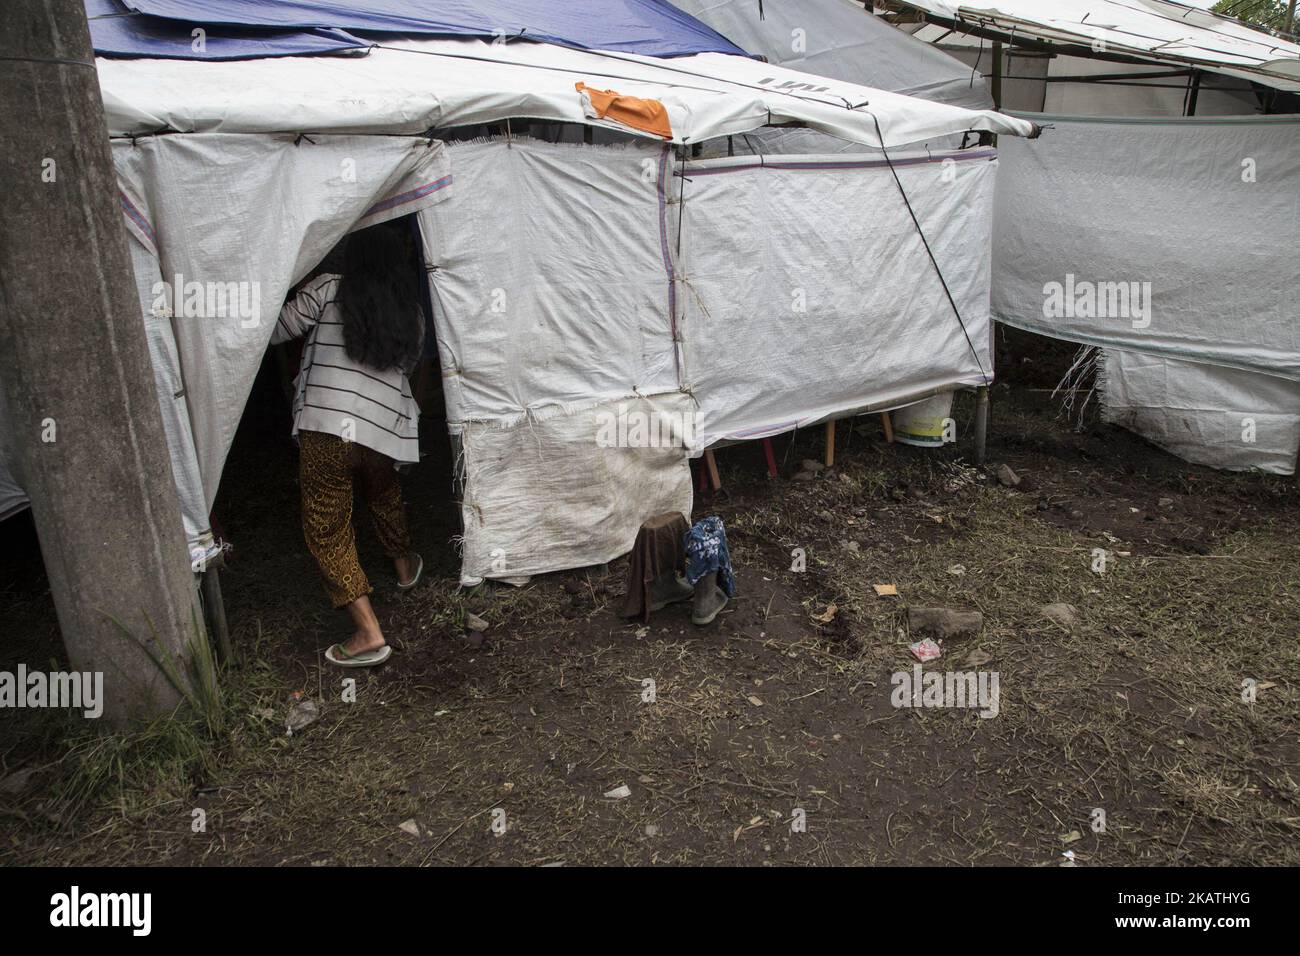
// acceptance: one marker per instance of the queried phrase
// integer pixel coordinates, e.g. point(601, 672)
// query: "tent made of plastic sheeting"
point(1207, 414)
point(779, 324)
point(575, 287)
point(1172, 240)
point(1147, 30)
point(1060, 84)
point(842, 40)
point(717, 299)
point(1172, 236)
point(260, 167)
point(567, 298)
point(413, 86)
point(1124, 190)
point(222, 226)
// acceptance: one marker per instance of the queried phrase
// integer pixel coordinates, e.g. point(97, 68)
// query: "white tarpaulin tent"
point(1193, 222)
point(1173, 237)
point(779, 333)
point(1208, 366)
point(842, 40)
point(1151, 30)
point(1208, 414)
point(412, 86)
point(1200, 208)
point(261, 166)
point(751, 296)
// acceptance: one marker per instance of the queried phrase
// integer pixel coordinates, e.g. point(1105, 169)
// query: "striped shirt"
point(336, 395)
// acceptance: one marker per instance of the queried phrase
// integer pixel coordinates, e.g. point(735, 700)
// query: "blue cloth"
point(647, 27)
point(706, 551)
point(116, 32)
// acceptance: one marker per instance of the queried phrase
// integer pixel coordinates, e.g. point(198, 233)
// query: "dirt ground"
point(778, 714)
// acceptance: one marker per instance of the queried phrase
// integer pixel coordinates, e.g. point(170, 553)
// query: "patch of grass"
point(134, 770)
point(131, 771)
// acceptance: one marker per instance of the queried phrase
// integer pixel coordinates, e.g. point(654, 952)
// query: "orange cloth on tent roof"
point(633, 111)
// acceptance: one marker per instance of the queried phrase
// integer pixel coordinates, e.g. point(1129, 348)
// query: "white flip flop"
point(419, 569)
point(339, 657)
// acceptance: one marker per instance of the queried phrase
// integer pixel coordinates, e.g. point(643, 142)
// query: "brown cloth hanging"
point(659, 550)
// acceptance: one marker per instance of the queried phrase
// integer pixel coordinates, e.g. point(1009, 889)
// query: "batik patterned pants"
point(706, 551)
point(328, 470)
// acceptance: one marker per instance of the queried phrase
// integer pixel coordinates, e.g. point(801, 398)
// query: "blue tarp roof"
point(244, 29)
point(116, 31)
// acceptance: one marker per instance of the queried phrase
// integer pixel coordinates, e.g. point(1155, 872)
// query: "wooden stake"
point(830, 444)
point(712, 465)
point(889, 426)
point(214, 610)
point(770, 455)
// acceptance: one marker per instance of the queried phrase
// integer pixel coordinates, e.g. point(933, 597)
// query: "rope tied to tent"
point(698, 301)
point(930, 252)
point(678, 277)
point(681, 199)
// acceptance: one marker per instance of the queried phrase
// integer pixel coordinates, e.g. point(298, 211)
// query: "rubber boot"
point(669, 589)
point(709, 599)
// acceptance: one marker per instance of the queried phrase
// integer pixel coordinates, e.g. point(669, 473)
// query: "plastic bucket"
point(922, 424)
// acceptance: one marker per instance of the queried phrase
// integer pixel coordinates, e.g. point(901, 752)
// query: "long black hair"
point(379, 297)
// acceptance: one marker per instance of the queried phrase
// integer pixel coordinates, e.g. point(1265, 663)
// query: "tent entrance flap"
point(239, 219)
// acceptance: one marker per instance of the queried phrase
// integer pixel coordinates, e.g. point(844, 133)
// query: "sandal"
point(338, 656)
point(419, 569)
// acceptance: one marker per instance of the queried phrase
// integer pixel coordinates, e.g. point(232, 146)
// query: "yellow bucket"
point(924, 423)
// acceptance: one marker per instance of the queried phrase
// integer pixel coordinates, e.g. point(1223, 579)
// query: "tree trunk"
point(88, 434)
